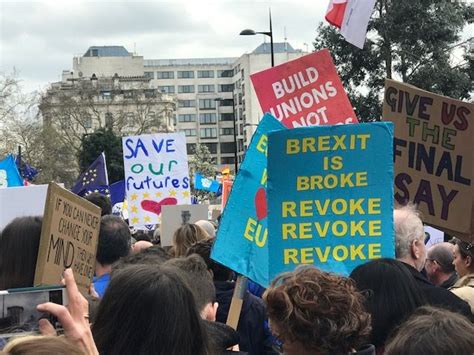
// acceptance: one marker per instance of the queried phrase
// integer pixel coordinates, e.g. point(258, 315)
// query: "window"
point(190, 117)
point(150, 93)
point(226, 102)
point(87, 122)
point(107, 95)
point(227, 160)
point(205, 73)
point(165, 75)
point(185, 89)
point(185, 74)
point(166, 89)
point(206, 88)
point(150, 74)
point(130, 119)
point(186, 103)
point(109, 120)
point(228, 147)
point(66, 122)
point(207, 118)
point(189, 132)
point(227, 132)
point(226, 88)
point(227, 116)
point(191, 148)
point(127, 94)
point(225, 73)
point(207, 104)
point(208, 133)
point(212, 147)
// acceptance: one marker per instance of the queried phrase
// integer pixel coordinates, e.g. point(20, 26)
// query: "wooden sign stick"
point(236, 303)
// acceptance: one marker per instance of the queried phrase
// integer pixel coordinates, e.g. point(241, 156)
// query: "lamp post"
point(236, 162)
point(249, 32)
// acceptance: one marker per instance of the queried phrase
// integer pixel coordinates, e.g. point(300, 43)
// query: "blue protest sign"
point(330, 196)
point(242, 238)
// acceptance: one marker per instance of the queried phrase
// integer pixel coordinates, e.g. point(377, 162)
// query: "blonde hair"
point(185, 236)
point(41, 345)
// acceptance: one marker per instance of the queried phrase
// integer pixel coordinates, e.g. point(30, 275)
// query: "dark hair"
point(465, 249)
point(433, 331)
point(321, 311)
point(100, 200)
point(185, 236)
point(392, 295)
point(149, 311)
point(19, 243)
point(203, 249)
point(198, 277)
point(154, 255)
point(114, 240)
point(143, 235)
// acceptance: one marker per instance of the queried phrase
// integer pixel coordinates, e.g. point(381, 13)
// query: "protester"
point(101, 201)
point(208, 226)
point(464, 264)
point(315, 312)
point(185, 236)
point(392, 295)
point(19, 243)
point(411, 250)
point(154, 256)
point(439, 265)
point(114, 243)
point(200, 283)
point(433, 331)
point(251, 327)
point(140, 245)
point(149, 311)
point(41, 345)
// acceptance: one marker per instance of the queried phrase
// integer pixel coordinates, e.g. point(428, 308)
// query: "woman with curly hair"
point(315, 312)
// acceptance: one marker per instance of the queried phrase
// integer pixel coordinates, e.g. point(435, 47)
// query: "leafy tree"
point(103, 140)
point(408, 40)
point(203, 163)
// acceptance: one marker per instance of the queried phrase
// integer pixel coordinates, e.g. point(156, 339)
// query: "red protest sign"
point(304, 92)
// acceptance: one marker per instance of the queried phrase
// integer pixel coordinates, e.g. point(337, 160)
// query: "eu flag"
point(94, 178)
point(9, 175)
point(27, 171)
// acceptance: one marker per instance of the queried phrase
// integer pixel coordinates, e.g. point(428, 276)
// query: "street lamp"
point(249, 32)
point(219, 99)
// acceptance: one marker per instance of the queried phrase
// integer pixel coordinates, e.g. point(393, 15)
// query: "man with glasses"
point(439, 265)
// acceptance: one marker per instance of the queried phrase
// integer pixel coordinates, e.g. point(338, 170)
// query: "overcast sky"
point(40, 38)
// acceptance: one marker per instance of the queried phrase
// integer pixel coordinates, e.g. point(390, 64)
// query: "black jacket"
point(254, 339)
point(439, 297)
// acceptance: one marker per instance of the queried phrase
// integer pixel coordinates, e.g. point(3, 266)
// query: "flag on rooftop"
point(94, 178)
point(352, 17)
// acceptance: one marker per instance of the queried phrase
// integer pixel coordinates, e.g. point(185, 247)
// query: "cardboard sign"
point(156, 175)
point(304, 92)
point(21, 201)
point(330, 197)
point(174, 217)
point(434, 151)
point(69, 238)
point(241, 242)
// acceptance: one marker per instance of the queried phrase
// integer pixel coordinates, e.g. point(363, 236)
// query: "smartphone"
point(18, 314)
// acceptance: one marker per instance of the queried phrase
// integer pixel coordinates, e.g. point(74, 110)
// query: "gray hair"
point(443, 254)
point(408, 227)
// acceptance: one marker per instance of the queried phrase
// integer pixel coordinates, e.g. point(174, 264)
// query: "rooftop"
point(282, 47)
point(107, 51)
point(189, 61)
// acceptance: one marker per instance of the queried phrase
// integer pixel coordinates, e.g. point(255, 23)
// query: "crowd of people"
point(149, 299)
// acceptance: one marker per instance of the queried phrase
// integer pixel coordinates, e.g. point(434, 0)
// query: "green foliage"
point(409, 41)
point(203, 163)
point(103, 140)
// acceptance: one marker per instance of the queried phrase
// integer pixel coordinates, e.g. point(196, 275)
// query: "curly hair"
point(322, 311)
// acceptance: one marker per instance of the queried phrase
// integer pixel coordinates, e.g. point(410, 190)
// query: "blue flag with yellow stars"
point(94, 178)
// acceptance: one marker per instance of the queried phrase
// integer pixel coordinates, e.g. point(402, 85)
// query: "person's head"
point(200, 283)
point(391, 295)
point(316, 312)
point(148, 310)
point(209, 227)
point(19, 243)
point(433, 331)
point(41, 345)
point(114, 240)
point(185, 236)
point(140, 245)
point(409, 236)
point(154, 256)
point(463, 257)
point(439, 263)
point(100, 200)
point(203, 249)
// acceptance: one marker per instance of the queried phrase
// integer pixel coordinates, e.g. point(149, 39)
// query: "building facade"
point(215, 101)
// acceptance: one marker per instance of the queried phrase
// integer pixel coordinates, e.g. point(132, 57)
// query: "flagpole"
point(20, 160)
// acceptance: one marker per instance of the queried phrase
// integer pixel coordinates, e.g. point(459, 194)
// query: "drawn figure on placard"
point(185, 217)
